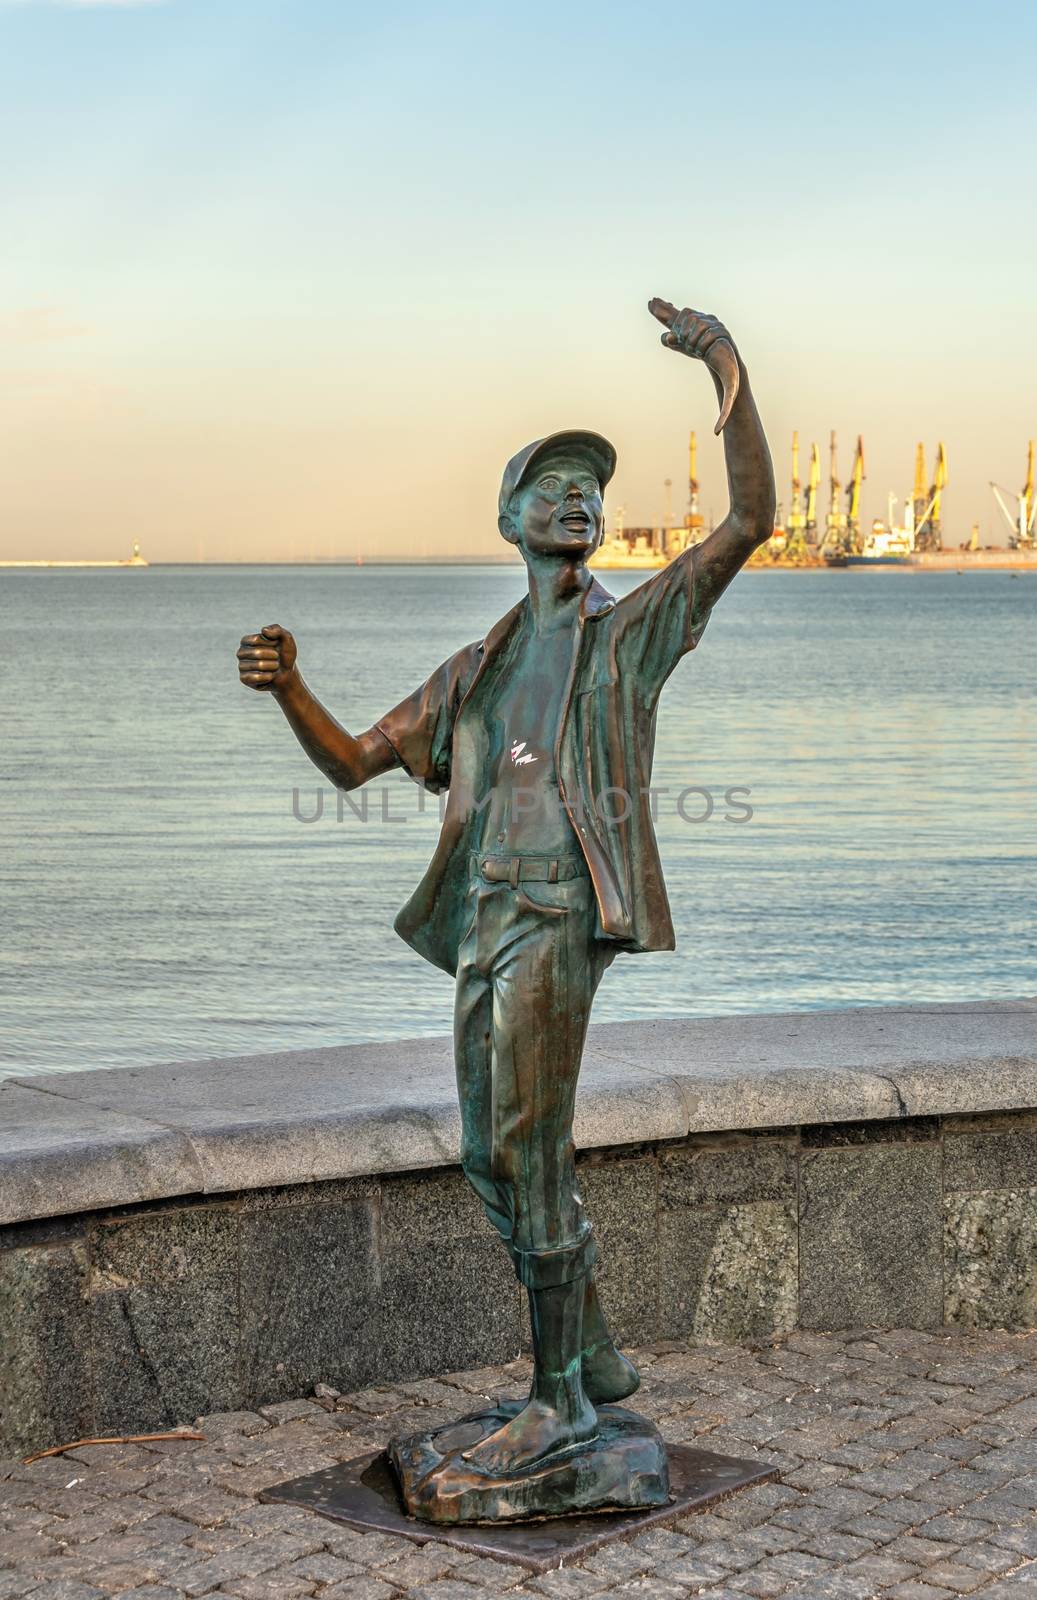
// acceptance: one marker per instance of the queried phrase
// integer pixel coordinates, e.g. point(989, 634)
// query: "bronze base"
point(622, 1469)
point(364, 1494)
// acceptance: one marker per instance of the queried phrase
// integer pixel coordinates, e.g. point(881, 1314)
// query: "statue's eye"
point(589, 485)
point(550, 483)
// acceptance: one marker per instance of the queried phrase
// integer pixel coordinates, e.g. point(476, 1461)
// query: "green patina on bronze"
point(546, 868)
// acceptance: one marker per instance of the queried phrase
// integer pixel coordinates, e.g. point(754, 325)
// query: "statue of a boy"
point(547, 863)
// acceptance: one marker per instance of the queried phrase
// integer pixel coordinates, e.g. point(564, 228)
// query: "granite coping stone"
point(87, 1141)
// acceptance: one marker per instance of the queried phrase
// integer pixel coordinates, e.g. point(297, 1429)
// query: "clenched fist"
point(266, 660)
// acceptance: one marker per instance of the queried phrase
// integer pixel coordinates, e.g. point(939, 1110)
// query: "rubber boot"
point(607, 1374)
point(558, 1417)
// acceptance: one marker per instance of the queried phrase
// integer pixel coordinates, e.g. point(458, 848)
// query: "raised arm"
point(750, 475)
point(267, 662)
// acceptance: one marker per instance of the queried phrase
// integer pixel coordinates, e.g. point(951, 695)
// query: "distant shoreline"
point(952, 563)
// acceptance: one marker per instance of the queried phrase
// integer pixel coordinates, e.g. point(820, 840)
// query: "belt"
point(528, 869)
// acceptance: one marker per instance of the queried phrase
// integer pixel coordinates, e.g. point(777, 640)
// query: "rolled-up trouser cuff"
point(547, 1269)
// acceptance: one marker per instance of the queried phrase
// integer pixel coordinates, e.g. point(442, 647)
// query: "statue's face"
point(558, 509)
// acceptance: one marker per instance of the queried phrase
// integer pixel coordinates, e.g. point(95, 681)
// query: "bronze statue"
point(546, 868)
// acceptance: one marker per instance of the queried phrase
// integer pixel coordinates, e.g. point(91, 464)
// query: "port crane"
point(919, 495)
point(810, 516)
point(1022, 524)
point(693, 520)
point(801, 529)
point(927, 499)
point(834, 537)
point(854, 541)
point(795, 522)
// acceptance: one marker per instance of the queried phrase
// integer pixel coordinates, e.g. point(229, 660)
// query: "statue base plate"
point(364, 1493)
point(622, 1469)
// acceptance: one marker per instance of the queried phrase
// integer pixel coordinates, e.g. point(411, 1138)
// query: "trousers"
point(528, 968)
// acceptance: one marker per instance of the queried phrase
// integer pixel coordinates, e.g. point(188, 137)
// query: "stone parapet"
point(218, 1235)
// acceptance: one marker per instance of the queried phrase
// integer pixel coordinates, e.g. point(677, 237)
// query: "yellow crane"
point(853, 501)
point(795, 528)
point(810, 518)
point(927, 500)
point(1022, 524)
point(835, 521)
point(920, 497)
point(693, 520)
point(933, 525)
point(795, 522)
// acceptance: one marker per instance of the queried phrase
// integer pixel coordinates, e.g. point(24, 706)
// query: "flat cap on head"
point(590, 447)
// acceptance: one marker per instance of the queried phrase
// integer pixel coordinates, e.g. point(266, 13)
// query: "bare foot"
point(608, 1375)
point(537, 1432)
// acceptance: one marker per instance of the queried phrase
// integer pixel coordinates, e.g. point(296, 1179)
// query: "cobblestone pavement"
point(908, 1462)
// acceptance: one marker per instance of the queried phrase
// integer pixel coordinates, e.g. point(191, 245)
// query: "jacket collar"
point(596, 602)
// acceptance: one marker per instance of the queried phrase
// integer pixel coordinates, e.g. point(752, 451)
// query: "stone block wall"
point(146, 1316)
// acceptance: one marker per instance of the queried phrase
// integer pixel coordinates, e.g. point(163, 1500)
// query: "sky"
point(291, 279)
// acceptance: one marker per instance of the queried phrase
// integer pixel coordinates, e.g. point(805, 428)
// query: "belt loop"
point(516, 868)
point(552, 872)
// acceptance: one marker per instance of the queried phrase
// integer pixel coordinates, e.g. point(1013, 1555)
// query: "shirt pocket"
point(551, 899)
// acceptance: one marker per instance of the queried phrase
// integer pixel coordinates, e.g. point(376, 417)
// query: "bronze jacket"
point(623, 652)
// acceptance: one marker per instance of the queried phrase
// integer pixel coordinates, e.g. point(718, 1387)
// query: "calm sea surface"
point(160, 900)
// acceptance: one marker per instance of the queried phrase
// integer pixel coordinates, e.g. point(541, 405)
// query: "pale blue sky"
point(287, 276)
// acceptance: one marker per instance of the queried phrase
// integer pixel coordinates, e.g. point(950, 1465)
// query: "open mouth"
point(575, 519)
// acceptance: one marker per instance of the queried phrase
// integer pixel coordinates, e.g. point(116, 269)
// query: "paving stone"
point(882, 1570)
point(692, 1571)
point(765, 1540)
point(953, 1530)
point(209, 1509)
point(840, 1547)
point(836, 1586)
point(921, 1552)
point(955, 1576)
point(288, 1410)
point(1023, 1539)
point(702, 1526)
point(568, 1583)
point(777, 1575)
point(119, 1576)
point(214, 1541)
point(1014, 1586)
point(163, 1529)
point(68, 1589)
point(915, 1591)
point(273, 1586)
point(321, 1567)
point(988, 1557)
point(14, 1584)
point(258, 1519)
point(421, 1566)
point(152, 1591)
point(445, 1589)
point(367, 1549)
point(220, 1423)
point(498, 1576)
point(366, 1588)
point(662, 1544)
point(647, 1588)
